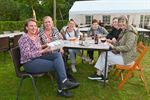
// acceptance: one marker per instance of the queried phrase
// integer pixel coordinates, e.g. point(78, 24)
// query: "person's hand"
point(46, 50)
point(109, 41)
point(72, 39)
point(111, 45)
point(61, 51)
point(114, 40)
point(44, 46)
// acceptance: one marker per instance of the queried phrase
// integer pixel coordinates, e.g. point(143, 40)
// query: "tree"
point(9, 10)
point(30, 3)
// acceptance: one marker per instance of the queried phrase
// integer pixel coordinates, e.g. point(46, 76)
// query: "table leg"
point(105, 72)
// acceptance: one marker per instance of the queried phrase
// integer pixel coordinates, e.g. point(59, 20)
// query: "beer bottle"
point(81, 40)
point(96, 39)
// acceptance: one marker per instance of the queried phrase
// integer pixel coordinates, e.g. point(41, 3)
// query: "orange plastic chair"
point(141, 49)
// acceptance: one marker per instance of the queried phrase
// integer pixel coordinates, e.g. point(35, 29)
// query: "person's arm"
point(105, 32)
point(62, 32)
point(77, 33)
point(44, 46)
point(130, 42)
point(56, 34)
point(89, 32)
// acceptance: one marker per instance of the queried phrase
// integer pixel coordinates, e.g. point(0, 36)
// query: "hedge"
point(18, 25)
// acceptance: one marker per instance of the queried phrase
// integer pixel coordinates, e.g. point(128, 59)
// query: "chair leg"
point(82, 55)
point(18, 91)
point(116, 72)
point(121, 75)
point(4, 56)
point(50, 76)
point(127, 76)
point(34, 87)
point(144, 81)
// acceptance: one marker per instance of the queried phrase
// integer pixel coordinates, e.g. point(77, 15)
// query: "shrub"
point(18, 25)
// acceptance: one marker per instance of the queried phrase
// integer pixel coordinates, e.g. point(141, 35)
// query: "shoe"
point(102, 79)
point(69, 85)
point(95, 77)
point(91, 62)
point(71, 78)
point(86, 59)
point(64, 94)
point(73, 67)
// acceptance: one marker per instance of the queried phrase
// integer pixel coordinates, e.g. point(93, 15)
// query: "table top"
point(88, 44)
point(142, 30)
point(11, 35)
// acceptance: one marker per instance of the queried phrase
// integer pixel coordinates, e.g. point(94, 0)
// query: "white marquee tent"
point(97, 8)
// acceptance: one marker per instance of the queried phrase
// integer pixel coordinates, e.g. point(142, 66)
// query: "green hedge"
point(18, 25)
point(11, 25)
point(61, 23)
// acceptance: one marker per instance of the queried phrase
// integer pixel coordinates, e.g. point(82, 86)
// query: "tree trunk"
point(33, 13)
point(54, 11)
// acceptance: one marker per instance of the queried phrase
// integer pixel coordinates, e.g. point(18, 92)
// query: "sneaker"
point(71, 78)
point(102, 79)
point(86, 59)
point(73, 67)
point(64, 94)
point(69, 85)
point(91, 62)
point(95, 77)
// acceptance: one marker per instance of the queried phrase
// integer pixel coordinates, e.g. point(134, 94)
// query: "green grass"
point(88, 90)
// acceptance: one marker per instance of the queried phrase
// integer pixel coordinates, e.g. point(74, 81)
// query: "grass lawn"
point(88, 90)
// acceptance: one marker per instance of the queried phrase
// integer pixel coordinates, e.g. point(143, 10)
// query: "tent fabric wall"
point(98, 8)
point(111, 7)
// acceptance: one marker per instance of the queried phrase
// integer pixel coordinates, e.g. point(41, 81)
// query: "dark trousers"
point(47, 63)
point(90, 54)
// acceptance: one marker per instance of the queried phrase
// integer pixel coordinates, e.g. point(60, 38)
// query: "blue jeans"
point(73, 53)
point(47, 63)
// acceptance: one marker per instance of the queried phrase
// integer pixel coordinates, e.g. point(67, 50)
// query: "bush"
point(61, 23)
point(18, 25)
point(11, 25)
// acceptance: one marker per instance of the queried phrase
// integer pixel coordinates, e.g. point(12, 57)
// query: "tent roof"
point(111, 7)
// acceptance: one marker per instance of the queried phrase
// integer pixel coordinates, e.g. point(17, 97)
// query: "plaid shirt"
point(28, 48)
point(55, 35)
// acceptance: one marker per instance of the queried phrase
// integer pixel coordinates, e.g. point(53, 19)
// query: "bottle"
point(81, 40)
point(96, 39)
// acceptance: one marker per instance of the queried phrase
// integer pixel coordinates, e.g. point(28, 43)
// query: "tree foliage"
point(9, 10)
point(23, 9)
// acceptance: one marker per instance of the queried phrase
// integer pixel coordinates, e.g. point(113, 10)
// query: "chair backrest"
point(15, 55)
point(4, 43)
point(15, 40)
point(141, 49)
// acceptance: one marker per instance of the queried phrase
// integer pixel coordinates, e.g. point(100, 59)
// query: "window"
point(147, 20)
point(88, 19)
point(106, 19)
point(144, 20)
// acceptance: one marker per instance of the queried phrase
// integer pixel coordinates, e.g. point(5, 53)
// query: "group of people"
point(37, 57)
point(122, 41)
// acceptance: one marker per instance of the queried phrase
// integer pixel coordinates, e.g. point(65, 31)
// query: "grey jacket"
point(127, 45)
point(99, 30)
